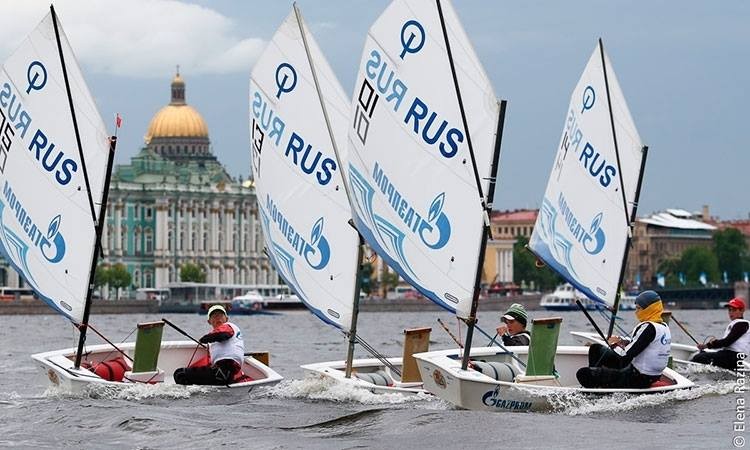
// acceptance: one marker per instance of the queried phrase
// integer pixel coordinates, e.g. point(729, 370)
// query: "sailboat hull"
point(335, 370)
point(471, 389)
point(58, 365)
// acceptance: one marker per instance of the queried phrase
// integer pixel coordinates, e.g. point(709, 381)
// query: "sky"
point(682, 65)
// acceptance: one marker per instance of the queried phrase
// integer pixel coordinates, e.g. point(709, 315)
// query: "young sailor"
point(513, 330)
point(226, 351)
point(645, 356)
point(736, 340)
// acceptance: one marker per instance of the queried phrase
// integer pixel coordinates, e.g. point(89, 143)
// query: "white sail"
point(302, 202)
point(414, 195)
point(46, 224)
point(582, 227)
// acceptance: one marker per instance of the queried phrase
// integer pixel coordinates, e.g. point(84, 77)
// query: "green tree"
point(101, 277)
point(526, 271)
point(367, 283)
point(697, 260)
point(731, 252)
point(389, 281)
point(119, 278)
point(192, 272)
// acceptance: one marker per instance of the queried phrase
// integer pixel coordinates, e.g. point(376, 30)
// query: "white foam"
point(130, 391)
point(575, 404)
point(324, 388)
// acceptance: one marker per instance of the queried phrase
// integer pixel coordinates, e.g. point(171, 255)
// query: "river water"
point(303, 412)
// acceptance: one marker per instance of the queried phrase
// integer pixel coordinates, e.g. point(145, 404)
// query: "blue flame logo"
point(594, 242)
point(54, 239)
point(317, 252)
point(436, 219)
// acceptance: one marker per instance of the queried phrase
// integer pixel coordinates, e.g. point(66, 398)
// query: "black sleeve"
point(519, 339)
point(646, 337)
point(738, 329)
point(214, 337)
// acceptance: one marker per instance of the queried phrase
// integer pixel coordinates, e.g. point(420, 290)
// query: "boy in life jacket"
point(734, 346)
point(646, 355)
point(226, 351)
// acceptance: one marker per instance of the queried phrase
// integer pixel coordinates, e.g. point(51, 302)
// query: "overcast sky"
point(683, 67)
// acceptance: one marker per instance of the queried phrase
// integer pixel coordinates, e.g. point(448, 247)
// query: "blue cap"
point(646, 298)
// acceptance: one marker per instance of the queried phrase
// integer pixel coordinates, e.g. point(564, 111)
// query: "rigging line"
point(504, 348)
point(88, 325)
point(379, 356)
point(461, 106)
point(73, 114)
point(115, 351)
point(614, 134)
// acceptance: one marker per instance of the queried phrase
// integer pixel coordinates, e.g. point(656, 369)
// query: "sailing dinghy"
point(54, 142)
point(299, 115)
point(583, 233)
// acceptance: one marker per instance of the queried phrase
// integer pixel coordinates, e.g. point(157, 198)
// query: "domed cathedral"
point(176, 204)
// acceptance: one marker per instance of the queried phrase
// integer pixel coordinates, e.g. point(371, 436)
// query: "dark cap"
point(646, 298)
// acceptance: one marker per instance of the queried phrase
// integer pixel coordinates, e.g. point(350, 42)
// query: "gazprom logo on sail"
point(592, 240)
point(51, 244)
point(315, 250)
point(435, 231)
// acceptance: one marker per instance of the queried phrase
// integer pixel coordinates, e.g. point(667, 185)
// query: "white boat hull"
point(335, 370)
point(173, 354)
point(470, 389)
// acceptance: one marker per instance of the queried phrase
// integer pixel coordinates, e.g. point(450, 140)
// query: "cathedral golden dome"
point(177, 119)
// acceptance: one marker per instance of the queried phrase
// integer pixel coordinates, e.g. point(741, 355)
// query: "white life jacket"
point(654, 358)
point(742, 344)
point(233, 348)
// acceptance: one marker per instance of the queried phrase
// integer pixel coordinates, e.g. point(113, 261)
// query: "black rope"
point(379, 356)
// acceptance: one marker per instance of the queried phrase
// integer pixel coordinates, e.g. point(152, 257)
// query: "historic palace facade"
point(175, 204)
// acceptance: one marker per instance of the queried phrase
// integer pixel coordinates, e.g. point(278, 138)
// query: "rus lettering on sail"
point(267, 124)
point(419, 117)
point(41, 145)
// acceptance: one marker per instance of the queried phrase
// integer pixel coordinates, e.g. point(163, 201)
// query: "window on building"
point(149, 241)
point(137, 241)
point(148, 280)
point(136, 211)
point(124, 239)
point(169, 240)
point(148, 212)
point(205, 241)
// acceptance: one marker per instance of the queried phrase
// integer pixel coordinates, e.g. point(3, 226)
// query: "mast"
point(98, 223)
point(471, 320)
point(352, 333)
point(97, 250)
point(631, 219)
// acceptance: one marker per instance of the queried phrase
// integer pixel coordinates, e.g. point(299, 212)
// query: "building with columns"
point(506, 227)
point(176, 204)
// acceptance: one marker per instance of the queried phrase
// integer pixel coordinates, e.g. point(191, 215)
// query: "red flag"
point(118, 120)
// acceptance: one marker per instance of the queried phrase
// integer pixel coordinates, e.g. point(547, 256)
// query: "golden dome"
point(177, 119)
